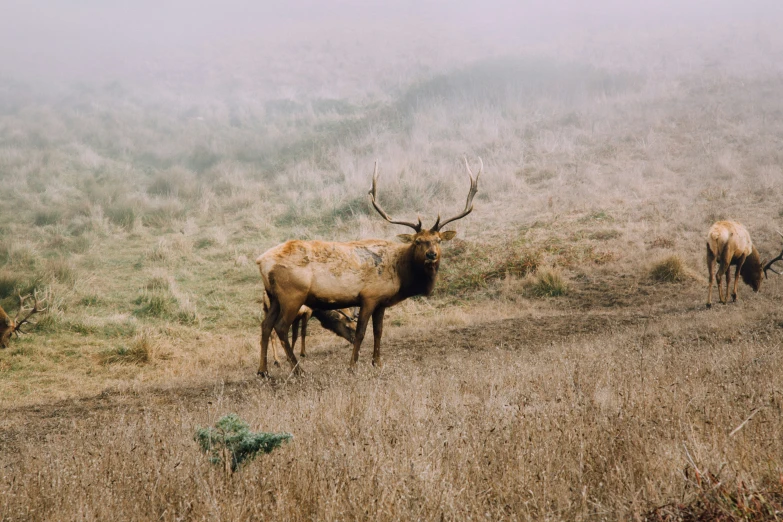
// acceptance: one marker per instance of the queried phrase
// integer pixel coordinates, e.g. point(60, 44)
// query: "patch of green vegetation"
point(230, 442)
point(155, 304)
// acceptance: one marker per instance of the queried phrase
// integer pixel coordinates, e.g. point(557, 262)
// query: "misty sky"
point(75, 40)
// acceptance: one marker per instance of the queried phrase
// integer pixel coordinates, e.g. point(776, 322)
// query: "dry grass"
point(141, 212)
point(669, 270)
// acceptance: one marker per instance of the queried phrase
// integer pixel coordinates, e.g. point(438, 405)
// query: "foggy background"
point(51, 44)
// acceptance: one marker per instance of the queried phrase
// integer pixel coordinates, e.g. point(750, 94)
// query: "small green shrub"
point(669, 270)
point(548, 283)
point(231, 442)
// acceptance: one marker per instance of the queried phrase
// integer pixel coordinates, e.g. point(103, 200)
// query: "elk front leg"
point(361, 327)
point(722, 269)
point(377, 332)
point(295, 333)
point(711, 279)
point(266, 332)
point(736, 278)
point(302, 351)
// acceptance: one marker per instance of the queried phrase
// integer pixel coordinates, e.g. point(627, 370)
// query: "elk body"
point(9, 326)
point(729, 243)
point(372, 274)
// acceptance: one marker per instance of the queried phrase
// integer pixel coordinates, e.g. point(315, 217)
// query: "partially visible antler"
point(384, 215)
point(469, 204)
point(768, 266)
point(30, 311)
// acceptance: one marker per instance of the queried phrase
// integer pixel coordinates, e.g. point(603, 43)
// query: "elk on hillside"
point(729, 243)
point(372, 274)
point(338, 321)
point(10, 326)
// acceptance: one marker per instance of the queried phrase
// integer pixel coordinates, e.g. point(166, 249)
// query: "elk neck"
point(416, 278)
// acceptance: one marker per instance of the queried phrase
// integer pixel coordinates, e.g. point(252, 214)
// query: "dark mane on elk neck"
point(372, 274)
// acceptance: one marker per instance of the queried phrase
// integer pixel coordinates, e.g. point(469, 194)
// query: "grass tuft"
point(548, 283)
point(669, 270)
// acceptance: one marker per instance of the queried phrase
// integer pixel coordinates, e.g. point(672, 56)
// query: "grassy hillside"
point(554, 373)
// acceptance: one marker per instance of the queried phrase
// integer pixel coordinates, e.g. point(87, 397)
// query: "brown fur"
point(372, 274)
point(337, 321)
point(729, 243)
point(7, 327)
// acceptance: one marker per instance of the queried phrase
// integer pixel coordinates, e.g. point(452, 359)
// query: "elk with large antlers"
point(729, 243)
point(372, 274)
point(10, 326)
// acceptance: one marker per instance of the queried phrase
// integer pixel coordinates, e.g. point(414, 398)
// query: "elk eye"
point(418, 241)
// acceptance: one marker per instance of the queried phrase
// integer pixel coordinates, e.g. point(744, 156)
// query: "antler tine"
point(34, 310)
point(471, 194)
point(384, 215)
point(768, 266)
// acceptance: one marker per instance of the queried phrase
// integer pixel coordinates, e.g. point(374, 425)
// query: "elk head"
point(426, 243)
point(10, 326)
point(768, 266)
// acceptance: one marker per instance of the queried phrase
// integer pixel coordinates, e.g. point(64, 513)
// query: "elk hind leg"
point(283, 324)
point(711, 279)
point(270, 318)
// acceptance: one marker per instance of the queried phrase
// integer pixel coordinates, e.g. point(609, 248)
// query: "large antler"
point(469, 204)
point(384, 215)
point(768, 266)
point(30, 311)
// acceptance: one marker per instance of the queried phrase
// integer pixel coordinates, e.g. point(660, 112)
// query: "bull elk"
point(9, 327)
point(729, 243)
point(372, 274)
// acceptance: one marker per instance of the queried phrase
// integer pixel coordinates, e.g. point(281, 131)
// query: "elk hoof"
point(276, 364)
point(263, 375)
point(709, 305)
point(733, 298)
point(377, 363)
point(303, 355)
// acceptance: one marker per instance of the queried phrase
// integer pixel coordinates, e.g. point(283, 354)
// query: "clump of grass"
point(47, 217)
point(548, 283)
point(141, 350)
point(720, 500)
point(230, 443)
point(669, 270)
point(155, 304)
point(59, 270)
point(123, 215)
point(469, 267)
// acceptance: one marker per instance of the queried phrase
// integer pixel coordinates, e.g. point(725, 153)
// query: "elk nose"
point(432, 255)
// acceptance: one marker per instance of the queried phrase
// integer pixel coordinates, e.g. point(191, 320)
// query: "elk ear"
point(448, 235)
point(405, 238)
